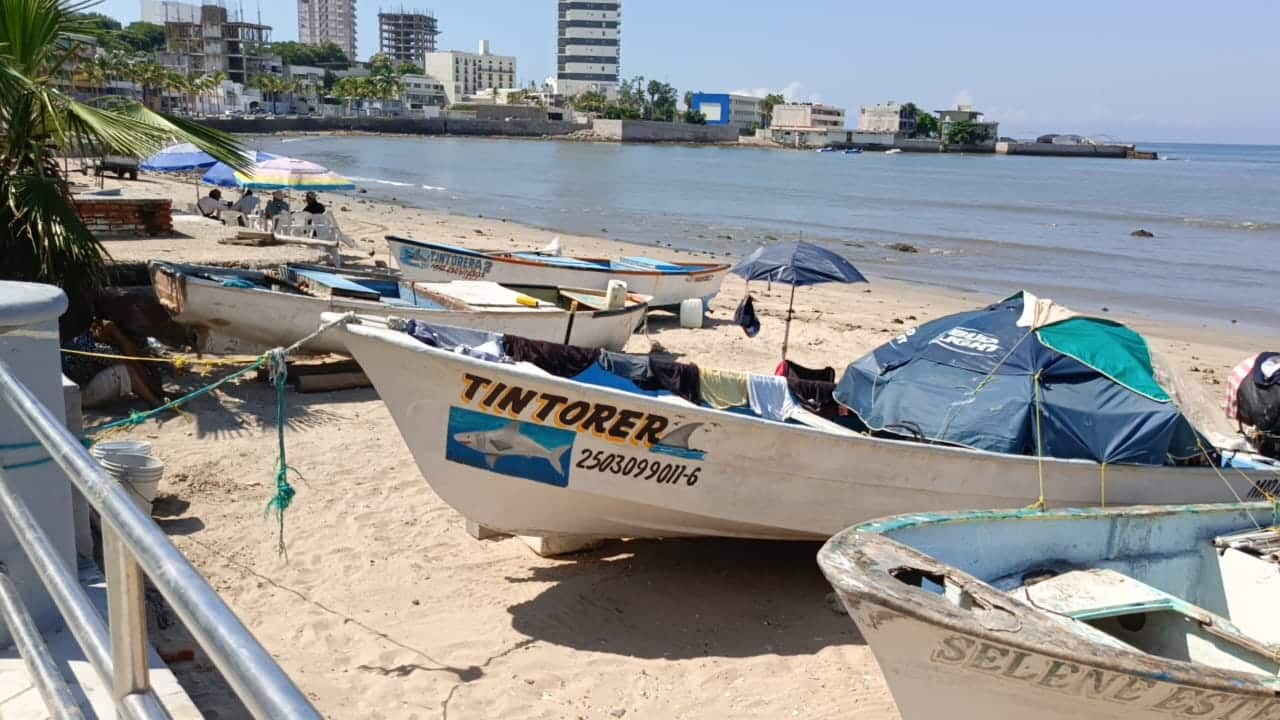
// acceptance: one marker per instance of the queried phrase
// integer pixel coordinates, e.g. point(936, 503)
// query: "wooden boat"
point(641, 466)
point(667, 283)
point(1115, 614)
point(260, 310)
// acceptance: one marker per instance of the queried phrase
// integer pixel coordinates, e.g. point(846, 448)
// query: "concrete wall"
point(1054, 150)
point(403, 126)
point(650, 131)
point(125, 216)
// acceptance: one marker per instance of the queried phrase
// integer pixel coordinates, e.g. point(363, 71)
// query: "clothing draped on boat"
point(650, 373)
point(723, 389)
point(561, 360)
point(464, 341)
point(770, 397)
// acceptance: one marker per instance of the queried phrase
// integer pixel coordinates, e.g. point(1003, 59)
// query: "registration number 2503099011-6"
point(663, 473)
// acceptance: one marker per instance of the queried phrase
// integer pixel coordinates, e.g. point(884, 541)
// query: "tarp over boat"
point(999, 377)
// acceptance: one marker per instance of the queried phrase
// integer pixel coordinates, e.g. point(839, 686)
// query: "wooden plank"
point(327, 382)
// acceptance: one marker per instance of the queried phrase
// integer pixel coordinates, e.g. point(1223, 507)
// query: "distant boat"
point(248, 310)
point(893, 151)
point(1109, 614)
point(853, 151)
point(825, 149)
point(667, 283)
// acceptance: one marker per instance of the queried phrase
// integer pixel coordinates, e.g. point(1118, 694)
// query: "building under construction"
point(216, 41)
point(407, 35)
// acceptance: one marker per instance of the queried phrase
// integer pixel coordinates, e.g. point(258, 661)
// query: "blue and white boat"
point(1109, 614)
point(668, 283)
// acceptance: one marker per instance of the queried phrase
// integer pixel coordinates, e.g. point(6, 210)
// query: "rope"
point(178, 361)
point(279, 372)
point(1262, 492)
point(1040, 503)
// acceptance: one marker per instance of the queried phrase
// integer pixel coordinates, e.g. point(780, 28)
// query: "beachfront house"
point(741, 111)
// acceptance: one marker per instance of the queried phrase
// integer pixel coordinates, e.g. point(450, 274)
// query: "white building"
point(464, 73)
point(422, 92)
point(887, 118)
point(807, 116)
point(321, 21)
point(589, 47)
point(163, 11)
point(744, 112)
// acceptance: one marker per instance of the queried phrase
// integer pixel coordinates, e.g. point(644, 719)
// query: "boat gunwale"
point(188, 272)
point(505, 257)
point(860, 564)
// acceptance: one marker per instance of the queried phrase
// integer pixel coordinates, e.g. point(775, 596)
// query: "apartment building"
point(589, 47)
point(887, 118)
point(321, 21)
point(464, 73)
point(217, 41)
point(741, 111)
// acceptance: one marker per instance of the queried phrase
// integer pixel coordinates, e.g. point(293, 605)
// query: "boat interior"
point(388, 289)
point(1198, 584)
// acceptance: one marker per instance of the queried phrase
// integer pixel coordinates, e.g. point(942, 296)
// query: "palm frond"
point(220, 145)
point(46, 240)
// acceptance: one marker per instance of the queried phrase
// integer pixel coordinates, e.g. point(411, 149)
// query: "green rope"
point(284, 491)
point(137, 418)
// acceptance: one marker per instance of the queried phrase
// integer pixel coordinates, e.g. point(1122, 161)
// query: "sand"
point(386, 608)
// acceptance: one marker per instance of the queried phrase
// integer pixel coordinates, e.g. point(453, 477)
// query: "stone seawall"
point(654, 132)
point(519, 127)
point(1051, 150)
point(125, 216)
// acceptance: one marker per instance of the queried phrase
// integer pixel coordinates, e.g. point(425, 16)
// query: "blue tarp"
point(979, 380)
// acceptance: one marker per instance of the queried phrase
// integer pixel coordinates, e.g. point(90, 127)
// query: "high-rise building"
point(322, 21)
point(215, 41)
point(464, 73)
point(407, 35)
point(589, 48)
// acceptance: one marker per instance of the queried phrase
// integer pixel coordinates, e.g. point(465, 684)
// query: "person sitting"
point(277, 204)
point(247, 203)
point(313, 206)
point(211, 205)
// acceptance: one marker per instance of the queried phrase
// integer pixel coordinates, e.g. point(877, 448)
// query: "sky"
point(1133, 70)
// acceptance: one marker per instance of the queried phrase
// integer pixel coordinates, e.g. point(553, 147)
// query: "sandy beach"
point(385, 608)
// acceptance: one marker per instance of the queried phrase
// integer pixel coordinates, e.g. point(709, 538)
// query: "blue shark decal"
point(509, 447)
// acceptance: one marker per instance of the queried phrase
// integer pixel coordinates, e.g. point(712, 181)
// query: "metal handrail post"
point(43, 670)
point(250, 670)
point(127, 619)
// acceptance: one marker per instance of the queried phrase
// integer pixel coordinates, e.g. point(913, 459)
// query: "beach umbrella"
point(182, 157)
point(796, 264)
point(1023, 376)
point(224, 175)
point(286, 173)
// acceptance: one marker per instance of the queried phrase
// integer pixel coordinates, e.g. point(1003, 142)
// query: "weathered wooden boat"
point(1131, 613)
point(261, 310)
point(622, 464)
point(666, 282)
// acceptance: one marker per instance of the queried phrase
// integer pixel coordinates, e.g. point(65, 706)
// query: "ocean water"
point(1056, 226)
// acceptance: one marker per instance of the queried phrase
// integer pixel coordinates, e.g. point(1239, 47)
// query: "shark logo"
point(508, 441)
point(676, 442)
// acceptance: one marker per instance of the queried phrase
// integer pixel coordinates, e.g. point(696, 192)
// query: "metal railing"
point(133, 546)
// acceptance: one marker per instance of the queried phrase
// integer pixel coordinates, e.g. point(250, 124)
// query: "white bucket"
point(691, 313)
point(616, 295)
point(112, 447)
point(139, 474)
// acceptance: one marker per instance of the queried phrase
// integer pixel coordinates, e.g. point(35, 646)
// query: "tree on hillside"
point(42, 238)
point(92, 23)
point(408, 68)
point(767, 105)
point(144, 37)
point(326, 55)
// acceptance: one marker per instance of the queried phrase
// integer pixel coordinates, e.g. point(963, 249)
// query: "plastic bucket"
point(691, 312)
point(139, 474)
point(114, 447)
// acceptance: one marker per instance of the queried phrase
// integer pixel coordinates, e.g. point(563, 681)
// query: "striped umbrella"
point(285, 173)
point(223, 175)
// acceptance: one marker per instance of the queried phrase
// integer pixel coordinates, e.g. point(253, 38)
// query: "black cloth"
point(559, 360)
point(1260, 374)
point(632, 367)
point(816, 396)
point(448, 337)
point(313, 207)
point(678, 378)
point(800, 372)
point(745, 317)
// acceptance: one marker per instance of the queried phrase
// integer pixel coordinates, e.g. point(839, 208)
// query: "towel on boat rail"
point(723, 389)
point(560, 360)
point(651, 373)
point(476, 343)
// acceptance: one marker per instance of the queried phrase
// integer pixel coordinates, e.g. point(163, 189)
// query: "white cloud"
point(795, 91)
point(964, 97)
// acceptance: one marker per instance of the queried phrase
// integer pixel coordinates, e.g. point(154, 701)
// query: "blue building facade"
point(740, 111)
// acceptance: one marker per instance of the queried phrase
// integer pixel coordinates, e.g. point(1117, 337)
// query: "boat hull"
point(425, 262)
point(256, 320)
point(732, 475)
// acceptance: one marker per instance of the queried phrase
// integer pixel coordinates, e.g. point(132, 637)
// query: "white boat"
point(236, 310)
point(893, 151)
point(1108, 614)
point(667, 283)
point(639, 466)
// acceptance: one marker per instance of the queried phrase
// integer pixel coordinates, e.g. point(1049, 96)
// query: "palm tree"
point(42, 238)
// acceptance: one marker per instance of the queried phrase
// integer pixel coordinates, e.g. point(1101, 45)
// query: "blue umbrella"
point(796, 263)
point(178, 158)
point(223, 175)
